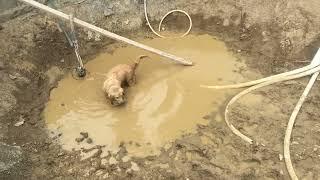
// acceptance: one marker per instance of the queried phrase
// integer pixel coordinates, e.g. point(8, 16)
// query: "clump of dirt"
point(271, 37)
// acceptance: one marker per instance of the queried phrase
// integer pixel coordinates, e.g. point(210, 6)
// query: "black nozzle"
point(81, 72)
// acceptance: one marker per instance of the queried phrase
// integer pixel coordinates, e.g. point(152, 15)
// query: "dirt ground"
point(272, 36)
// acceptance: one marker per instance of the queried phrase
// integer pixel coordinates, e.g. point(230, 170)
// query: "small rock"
point(167, 146)
point(118, 169)
point(99, 172)
point(171, 154)
point(265, 35)
point(108, 12)
point(62, 60)
point(87, 155)
point(247, 25)
point(20, 123)
point(13, 77)
point(70, 171)
point(84, 134)
point(126, 22)
point(97, 37)
point(206, 117)
point(86, 173)
point(163, 166)
point(129, 171)
point(126, 159)
point(38, 37)
point(29, 37)
point(281, 172)
point(90, 35)
point(134, 166)
point(294, 143)
point(106, 176)
point(104, 162)
point(112, 161)
point(226, 22)
point(89, 141)
point(239, 50)
point(79, 140)
point(280, 157)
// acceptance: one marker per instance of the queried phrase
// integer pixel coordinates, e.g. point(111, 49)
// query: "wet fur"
point(119, 77)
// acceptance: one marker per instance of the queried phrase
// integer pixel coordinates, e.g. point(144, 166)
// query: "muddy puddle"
point(166, 102)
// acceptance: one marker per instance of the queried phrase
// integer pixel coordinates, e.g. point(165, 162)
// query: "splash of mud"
point(166, 102)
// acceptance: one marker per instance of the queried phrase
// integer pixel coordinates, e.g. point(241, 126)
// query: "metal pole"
point(107, 33)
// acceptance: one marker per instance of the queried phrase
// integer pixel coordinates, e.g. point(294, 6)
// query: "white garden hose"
point(164, 17)
point(286, 144)
point(312, 69)
point(251, 83)
point(246, 91)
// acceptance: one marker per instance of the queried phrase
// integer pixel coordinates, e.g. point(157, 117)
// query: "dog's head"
point(116, 96)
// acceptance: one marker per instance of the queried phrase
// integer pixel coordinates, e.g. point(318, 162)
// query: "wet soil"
point(36, 56)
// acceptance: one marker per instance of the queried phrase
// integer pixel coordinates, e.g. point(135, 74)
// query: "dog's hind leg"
point(131, 79)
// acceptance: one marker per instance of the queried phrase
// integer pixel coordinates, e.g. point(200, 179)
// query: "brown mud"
point(166, 102)
point(270, 37)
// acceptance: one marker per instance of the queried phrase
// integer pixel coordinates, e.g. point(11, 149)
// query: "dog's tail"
point(137, 61)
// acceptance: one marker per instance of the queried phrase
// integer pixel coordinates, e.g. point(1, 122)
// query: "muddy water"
point(165, 103)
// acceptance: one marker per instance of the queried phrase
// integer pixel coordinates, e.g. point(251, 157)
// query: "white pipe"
point(286, 145)
point(315, 62)
point(287, 138)
point(106, 33)
point(267, 83)
point(164, 17)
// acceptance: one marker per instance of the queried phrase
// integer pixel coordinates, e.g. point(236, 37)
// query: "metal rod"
point(107, 33)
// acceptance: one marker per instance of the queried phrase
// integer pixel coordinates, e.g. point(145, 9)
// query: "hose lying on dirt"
point(312, 69)
point(251, 83)
point(315, 72)
point(165, 16)
point(286, 146)
point(246, 91)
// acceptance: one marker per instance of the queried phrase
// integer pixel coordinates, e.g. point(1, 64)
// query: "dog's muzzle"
point(118, 101)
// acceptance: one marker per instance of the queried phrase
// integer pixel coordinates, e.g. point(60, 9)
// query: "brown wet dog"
point(117, 78)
